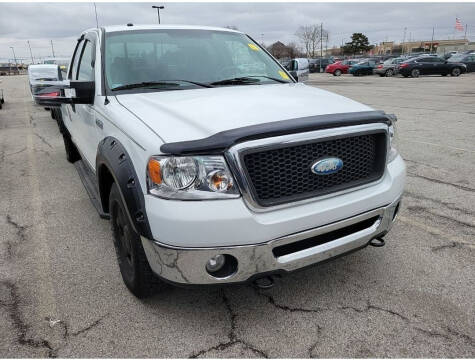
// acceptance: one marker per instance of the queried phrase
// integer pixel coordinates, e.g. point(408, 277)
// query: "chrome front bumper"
point(187, 265)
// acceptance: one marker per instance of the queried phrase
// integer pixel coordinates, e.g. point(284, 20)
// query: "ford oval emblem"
point(327, 166)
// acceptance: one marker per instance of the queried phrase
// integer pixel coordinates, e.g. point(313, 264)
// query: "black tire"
point(133, 264)
point(52, 114)
point(2, 101)
point(337, 72)
point(455, 72)
point(415, 73)
point(389, 73)
point(72, 153)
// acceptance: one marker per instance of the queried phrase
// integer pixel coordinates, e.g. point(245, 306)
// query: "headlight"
point(392, 142)
point(190, 178)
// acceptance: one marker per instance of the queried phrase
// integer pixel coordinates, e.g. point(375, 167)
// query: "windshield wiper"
point(246, 80)
point(271, 78)
point(146, 84)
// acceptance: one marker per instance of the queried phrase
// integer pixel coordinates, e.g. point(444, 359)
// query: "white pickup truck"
point(213, 164)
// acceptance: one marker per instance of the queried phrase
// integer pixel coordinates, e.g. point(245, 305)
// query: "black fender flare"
point(111, 155)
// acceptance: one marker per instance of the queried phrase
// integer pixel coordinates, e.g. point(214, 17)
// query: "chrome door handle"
point(99, 123)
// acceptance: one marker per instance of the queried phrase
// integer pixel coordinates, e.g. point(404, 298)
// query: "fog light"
point(215, 263)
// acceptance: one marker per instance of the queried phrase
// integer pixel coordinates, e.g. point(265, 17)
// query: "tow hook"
point(265, 282)
point(377, 242)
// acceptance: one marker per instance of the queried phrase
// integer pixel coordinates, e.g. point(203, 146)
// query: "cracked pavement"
point(61, 294)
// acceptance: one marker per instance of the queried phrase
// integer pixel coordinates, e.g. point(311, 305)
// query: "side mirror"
point(53, 93)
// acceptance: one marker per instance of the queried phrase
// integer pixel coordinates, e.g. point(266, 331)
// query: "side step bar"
point(88, 179)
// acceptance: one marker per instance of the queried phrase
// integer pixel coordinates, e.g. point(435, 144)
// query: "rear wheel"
point(337, 72)
point(455, 72)
point(415, 73)
point(133, 263)
point(389, 72)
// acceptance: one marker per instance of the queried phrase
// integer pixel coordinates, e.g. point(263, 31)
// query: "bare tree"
point(311, 36)
point(293, 50)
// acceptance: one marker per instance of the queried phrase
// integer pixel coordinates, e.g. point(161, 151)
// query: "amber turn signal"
point(154, 171)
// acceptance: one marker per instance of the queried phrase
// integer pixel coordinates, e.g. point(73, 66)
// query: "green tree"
point(359, 44)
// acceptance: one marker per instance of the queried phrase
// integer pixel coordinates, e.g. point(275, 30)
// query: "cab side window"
point(86, 66)
point(74, 64)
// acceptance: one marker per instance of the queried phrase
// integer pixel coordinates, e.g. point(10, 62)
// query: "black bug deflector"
point(221, 141)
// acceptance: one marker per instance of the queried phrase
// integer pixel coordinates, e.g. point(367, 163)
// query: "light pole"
point(14, 57)
point(52, 48)
point(31, 54)
point(404, 40)
point(158, 10)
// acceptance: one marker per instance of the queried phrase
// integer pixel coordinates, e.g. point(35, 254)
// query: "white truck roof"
point(125, 27)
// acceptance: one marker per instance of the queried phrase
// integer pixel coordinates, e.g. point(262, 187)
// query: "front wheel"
point(133, 263)
point(455, 72)
point(415, 73)
point(389, 72)
point(337, 73)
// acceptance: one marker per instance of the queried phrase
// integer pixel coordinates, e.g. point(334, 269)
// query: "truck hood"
point(194, 114)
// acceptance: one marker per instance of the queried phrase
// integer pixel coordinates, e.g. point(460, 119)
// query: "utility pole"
point(404, 40)
point(465, 42)
point(52, 48)
point(432, 41)
point(31, 54)
point(158, 10)
point(321, 46)
point(326, 45)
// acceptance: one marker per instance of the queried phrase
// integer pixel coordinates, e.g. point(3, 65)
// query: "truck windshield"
point(185, 59)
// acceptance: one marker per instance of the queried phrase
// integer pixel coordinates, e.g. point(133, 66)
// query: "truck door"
point(68, 111)
point(85, 112)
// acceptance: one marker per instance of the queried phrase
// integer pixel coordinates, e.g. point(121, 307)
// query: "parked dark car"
point(467, 59)
point(319, 65)
point(363, 68)
point(389, 67)
point(430, 65)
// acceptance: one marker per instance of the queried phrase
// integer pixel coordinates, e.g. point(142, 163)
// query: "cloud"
point(63, 22)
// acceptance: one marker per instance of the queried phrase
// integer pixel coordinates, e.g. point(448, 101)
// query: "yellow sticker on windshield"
point(283, 75)
point(253, 47)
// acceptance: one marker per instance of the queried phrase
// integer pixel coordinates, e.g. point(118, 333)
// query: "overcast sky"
point(268, 22)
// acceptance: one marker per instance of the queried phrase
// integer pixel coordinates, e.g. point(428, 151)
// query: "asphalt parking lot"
point(61, 294)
